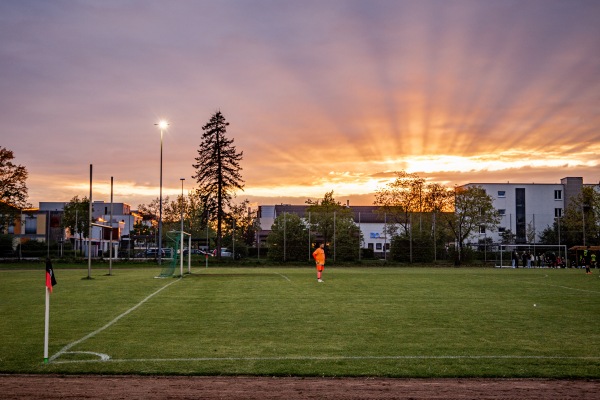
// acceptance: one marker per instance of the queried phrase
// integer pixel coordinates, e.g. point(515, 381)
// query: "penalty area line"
point(283, 276)
point(97, 331)
point(327, 358)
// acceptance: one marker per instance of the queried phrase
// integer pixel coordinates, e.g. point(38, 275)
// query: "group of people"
point(541, 260)
point(527, 259)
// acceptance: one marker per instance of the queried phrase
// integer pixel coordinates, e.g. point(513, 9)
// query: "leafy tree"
point(473, 208)
point(288, 239)
point(347, 238)
point(399, 199)
point(581, 220)
point(246, 225)
point(13, 189)
point(76, 217)
point(217, 171)
point(6, 245)
point(412, 210)
point(322, 215)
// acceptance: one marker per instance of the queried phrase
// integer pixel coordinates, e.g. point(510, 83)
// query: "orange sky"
point(320, 96)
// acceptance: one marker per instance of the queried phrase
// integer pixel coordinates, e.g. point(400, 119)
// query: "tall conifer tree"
point(217, 171)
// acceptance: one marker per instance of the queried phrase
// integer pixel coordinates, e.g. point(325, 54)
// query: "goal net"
point(532, 256)
point(176, 242)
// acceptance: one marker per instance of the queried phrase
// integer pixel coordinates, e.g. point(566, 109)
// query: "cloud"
point(320, 96)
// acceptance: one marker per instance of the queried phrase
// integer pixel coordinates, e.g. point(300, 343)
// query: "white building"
point(527, 209)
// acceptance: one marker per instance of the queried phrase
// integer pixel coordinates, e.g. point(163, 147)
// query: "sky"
point(320, 95)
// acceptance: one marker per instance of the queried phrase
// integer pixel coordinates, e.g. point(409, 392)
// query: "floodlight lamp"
point(162, 124)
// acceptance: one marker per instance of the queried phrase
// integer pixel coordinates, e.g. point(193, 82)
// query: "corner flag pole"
point(46, 325)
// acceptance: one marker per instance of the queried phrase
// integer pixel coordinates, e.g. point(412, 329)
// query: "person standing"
point(587, 260)
point(319, 256)
point(515, 259)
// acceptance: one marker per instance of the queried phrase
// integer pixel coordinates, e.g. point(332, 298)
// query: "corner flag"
point(50, 279)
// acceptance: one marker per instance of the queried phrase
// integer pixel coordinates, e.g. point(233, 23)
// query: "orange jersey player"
point(319, 256)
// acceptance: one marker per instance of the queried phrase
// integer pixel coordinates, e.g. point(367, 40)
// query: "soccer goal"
point(176, 240)
point(532, 255)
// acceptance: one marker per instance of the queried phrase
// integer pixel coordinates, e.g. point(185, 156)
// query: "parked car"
point(153, 253)
point(225, 252)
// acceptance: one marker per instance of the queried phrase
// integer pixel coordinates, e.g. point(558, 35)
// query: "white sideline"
point(327, 358)
point(70, 345)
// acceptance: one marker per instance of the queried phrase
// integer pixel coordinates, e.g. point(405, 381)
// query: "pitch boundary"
point(329, 358)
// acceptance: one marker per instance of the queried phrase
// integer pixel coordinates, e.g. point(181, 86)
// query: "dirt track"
point(178, 387)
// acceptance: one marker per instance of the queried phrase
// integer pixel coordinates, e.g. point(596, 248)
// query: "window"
point(501, 193)
point(482, 229)
point(501, 229)
point(558, 195)
point(377, 246)
point(558, 212)
point(501, 211)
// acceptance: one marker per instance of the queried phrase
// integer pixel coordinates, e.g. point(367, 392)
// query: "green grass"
point(395, 322)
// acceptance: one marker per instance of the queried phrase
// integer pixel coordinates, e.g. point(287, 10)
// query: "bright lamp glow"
point(162, 124)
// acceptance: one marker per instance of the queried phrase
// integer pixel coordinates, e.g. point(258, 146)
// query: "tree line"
point(418, 214)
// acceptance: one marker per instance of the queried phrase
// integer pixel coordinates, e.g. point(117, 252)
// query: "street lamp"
point(162, 125)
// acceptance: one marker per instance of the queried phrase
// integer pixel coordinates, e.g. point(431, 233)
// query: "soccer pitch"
point(389, 322)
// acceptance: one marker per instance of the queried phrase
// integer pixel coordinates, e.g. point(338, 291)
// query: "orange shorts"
point(320, 267)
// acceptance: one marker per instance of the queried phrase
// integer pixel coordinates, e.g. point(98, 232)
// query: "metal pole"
point(334, 236)
point(48, 233)
point(233, 240)
point(189, 254)
point(74, 233)
point(207, 242)
point(359, 237)
point(284, 236)
point(90, 229)
point(181, 240)
point(309, 247)
point(110, 250)
point(384, 236)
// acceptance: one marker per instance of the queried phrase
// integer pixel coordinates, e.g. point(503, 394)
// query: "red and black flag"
point(50, 279)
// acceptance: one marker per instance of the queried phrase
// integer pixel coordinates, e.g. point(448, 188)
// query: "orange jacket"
point(319, 256)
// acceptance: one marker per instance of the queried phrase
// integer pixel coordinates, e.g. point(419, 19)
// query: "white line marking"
point(570, 288)
point(330, 358)
point(283, 276)
point(102, 356)
point(75, 343)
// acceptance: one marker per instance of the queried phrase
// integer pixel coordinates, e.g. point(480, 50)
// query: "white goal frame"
point(532, 247)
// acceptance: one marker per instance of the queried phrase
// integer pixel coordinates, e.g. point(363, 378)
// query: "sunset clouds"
point(320, 95)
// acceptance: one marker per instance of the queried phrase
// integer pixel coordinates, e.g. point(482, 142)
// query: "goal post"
point(176, 241)
point(540, 253)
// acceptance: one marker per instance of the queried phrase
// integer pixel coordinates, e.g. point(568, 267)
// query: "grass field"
point(392, 322)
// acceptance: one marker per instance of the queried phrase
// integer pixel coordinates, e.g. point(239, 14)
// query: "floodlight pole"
point(162, 125)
